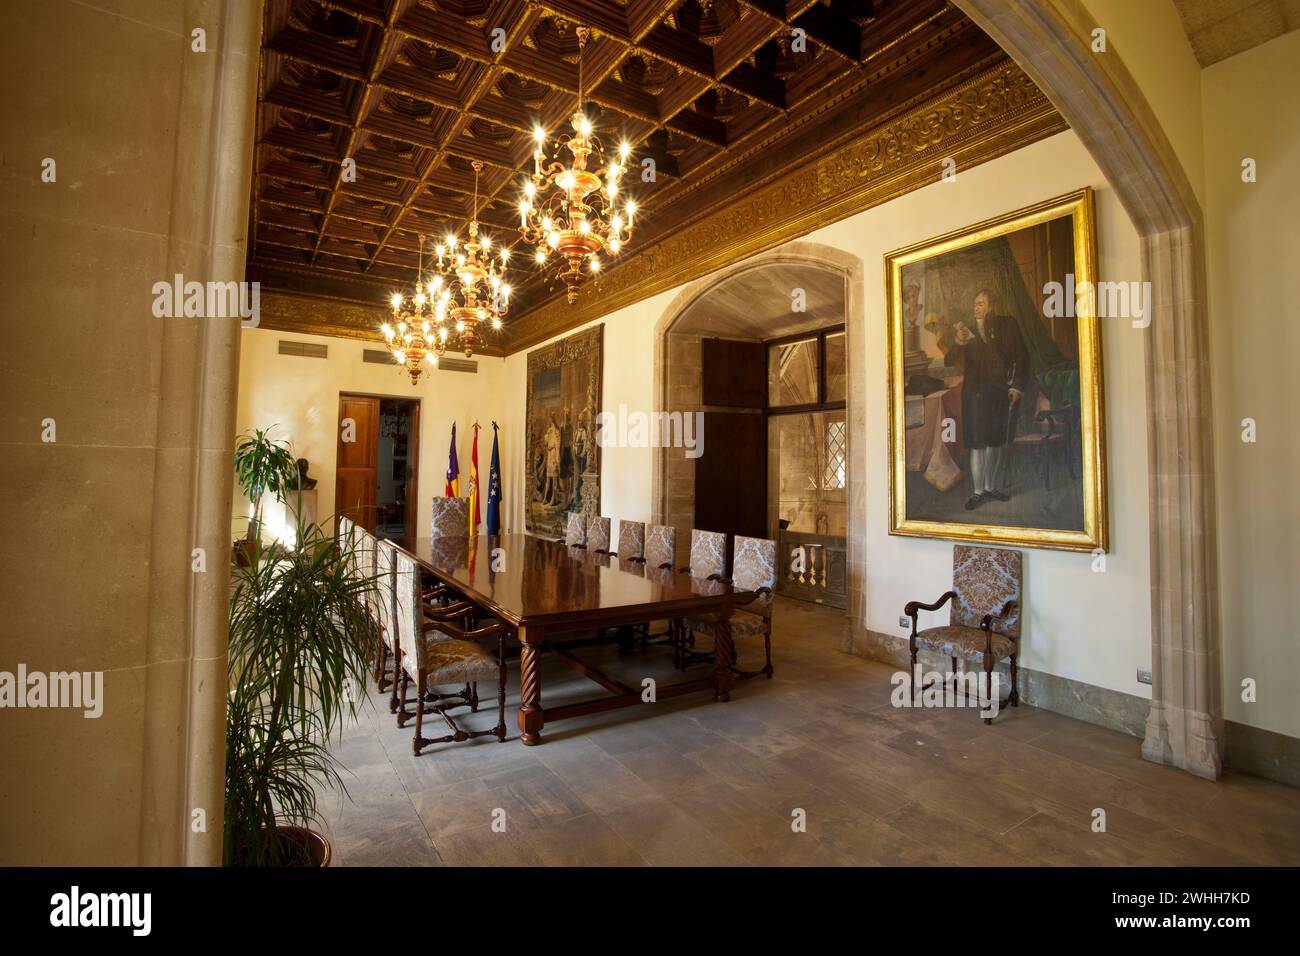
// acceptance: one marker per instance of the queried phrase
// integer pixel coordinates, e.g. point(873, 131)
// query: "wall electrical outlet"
point(1144, 676)
point(904, 621)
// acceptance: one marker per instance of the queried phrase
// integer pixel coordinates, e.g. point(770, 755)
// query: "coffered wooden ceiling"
point(716, 92)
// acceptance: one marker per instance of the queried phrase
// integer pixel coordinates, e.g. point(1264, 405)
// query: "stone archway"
point(1101, 101)
point(797, 253)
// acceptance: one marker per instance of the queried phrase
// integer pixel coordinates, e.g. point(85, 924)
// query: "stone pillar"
point(117, 561)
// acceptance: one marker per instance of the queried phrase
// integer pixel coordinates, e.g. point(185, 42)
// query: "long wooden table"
point(542, 588)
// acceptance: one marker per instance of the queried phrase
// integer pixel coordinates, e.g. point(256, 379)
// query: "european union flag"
point(494, 488)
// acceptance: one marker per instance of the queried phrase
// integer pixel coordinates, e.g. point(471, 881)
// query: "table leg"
point(724, 655)
point(531, 716)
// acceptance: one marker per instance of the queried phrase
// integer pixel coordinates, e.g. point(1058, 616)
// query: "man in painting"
point(552, 441)
point(995, 369)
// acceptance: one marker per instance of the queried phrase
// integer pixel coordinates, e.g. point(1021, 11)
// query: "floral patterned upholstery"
point(406, 585)
point(753, 566)
point(708, 553)
point(575, 531)
point(743, 624)
point(985, 579)
point(598, 534)
point(450, 661)
point(385, 560)
point(450, 518)
point(631, 539)
point(967, 643)
point(661, 546)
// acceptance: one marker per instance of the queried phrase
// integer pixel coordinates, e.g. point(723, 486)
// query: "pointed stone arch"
point(1101, 101)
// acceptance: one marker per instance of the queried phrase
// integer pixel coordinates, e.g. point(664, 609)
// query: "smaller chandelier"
point(570, 209)
point(411, 335)
point(475, 291)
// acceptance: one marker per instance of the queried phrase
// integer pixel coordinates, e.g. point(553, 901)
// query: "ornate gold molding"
point(311, 315)
point(993, 113)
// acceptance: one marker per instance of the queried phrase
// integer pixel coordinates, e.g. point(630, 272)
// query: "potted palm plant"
point(262, 466)
point(300, 649)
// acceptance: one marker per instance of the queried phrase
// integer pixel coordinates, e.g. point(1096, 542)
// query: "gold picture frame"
point(940, 396)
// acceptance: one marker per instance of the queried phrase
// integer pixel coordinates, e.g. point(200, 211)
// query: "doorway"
point(377, 476)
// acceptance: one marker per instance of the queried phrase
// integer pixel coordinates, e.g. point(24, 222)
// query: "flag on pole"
point(494, 488)
point(473, 483)
point(453, 468)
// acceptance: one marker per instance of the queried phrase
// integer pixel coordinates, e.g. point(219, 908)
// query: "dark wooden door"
point(412, 475)
point(356, 473)
point(731, 475)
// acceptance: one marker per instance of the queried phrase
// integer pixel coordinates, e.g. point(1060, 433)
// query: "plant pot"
point(317, 847)
point(245, 551)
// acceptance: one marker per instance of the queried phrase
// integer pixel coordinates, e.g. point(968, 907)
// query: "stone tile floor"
point(694, 782)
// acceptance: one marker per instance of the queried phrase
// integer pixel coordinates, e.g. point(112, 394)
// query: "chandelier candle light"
point(570, 209)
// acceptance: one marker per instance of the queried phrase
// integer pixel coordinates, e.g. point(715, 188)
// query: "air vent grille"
point(304, 349)
point(448, 364)
point(378, 357)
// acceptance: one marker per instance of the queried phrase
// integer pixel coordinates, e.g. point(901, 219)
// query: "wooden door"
point(731, 475)
point(412, 475)
point(356, 473)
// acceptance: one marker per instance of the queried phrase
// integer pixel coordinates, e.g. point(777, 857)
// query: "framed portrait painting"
point(562, 458)
point(995, 384)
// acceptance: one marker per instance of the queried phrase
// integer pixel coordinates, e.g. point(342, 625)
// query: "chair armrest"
point(448, 613)
point(459, 633)
point(912, 607)
point(1007, 610)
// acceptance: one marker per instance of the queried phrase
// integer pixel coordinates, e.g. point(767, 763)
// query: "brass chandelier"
point(475, 290)
point(467, 289)
point(570, 209)
point(411, 336)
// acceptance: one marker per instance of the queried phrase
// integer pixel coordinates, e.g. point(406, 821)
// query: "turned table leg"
point(724, 656)
point(531, 716)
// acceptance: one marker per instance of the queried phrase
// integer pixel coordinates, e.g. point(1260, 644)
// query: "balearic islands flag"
point(473, 483)
point(453, 468)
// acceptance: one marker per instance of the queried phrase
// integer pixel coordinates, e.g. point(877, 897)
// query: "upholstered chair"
point(598, 535)
point(708, 554)
point(386, 568)
point(983, 613)
point(575, 531)
point(434, 652)
point(753, 569)
point(450, 518)
point(661, 546)
point(631, 541)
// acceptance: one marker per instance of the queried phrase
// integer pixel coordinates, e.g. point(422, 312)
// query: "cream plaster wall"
point(1092, 627)
point(1149, 35)
point(301, 395)
point(1254, 246)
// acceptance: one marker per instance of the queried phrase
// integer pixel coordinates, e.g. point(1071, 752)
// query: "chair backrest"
point(575, 531)
point(450, 518)
point(363, 557)
point(407, 583)
point(385, 564)
point(753, 566)
point(708, 553)
point(345, 528)
point(985, 579)
point(598, 534)
point(631, 539)
point(661, 546)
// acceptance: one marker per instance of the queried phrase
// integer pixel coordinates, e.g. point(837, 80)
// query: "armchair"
point(984, 613)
